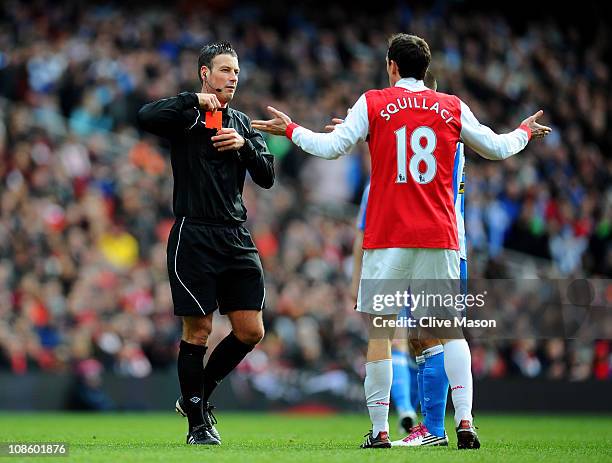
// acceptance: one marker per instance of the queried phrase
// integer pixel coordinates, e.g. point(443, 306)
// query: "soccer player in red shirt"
point(411, 225)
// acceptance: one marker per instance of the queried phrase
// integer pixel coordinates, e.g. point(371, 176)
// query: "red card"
point(213, 120)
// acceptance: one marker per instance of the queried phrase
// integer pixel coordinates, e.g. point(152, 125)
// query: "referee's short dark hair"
point(411, 53)
point(208, 53)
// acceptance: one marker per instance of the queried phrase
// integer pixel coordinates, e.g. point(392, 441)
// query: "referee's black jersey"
point(207, 183)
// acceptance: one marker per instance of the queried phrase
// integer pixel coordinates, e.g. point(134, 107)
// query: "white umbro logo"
point(195, 400)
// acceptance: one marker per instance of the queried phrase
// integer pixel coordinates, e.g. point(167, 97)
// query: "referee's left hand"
point(227, 139)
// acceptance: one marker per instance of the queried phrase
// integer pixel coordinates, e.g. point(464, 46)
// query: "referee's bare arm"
point(166, 117)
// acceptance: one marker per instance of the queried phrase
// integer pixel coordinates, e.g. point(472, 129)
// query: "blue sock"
point(420, 368)
point(435, 390)
point(414, 387)
point(400, 388)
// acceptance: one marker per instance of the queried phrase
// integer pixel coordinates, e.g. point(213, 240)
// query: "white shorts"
point(404, 265)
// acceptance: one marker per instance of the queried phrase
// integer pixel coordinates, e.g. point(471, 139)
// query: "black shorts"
point(213, 266)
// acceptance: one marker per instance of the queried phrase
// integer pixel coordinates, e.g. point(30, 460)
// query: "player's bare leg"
point(377, 385)
point(458, 367)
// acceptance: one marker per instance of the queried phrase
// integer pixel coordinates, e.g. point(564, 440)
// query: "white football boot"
point(421, 437)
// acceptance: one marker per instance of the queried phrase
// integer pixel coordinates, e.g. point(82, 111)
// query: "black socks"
point(198, 383)
point(191, 379)
point(226, 356)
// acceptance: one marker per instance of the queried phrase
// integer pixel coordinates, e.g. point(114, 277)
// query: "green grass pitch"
point(252, 438)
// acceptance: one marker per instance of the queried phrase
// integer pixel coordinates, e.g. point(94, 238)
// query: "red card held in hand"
point(213, 120)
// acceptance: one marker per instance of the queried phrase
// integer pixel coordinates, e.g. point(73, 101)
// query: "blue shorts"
point(463, 275)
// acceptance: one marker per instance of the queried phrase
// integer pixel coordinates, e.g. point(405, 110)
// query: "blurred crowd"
point(85, 205)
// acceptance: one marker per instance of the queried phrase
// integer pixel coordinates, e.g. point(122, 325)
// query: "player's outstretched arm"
point(491, 145)
point(325, 145)
point(275, 126)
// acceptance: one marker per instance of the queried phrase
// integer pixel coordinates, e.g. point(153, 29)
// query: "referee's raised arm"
point(168, 116)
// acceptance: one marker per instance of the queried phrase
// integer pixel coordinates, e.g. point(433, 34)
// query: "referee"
point(212, 260)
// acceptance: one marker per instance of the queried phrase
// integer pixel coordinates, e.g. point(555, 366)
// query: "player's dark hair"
point(430, 80)
point(208, 53)
point(411, 54)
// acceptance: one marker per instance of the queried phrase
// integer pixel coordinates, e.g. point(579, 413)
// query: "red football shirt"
point(413, 140)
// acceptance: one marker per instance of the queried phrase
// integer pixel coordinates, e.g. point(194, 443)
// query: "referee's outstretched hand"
point(276, 126)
